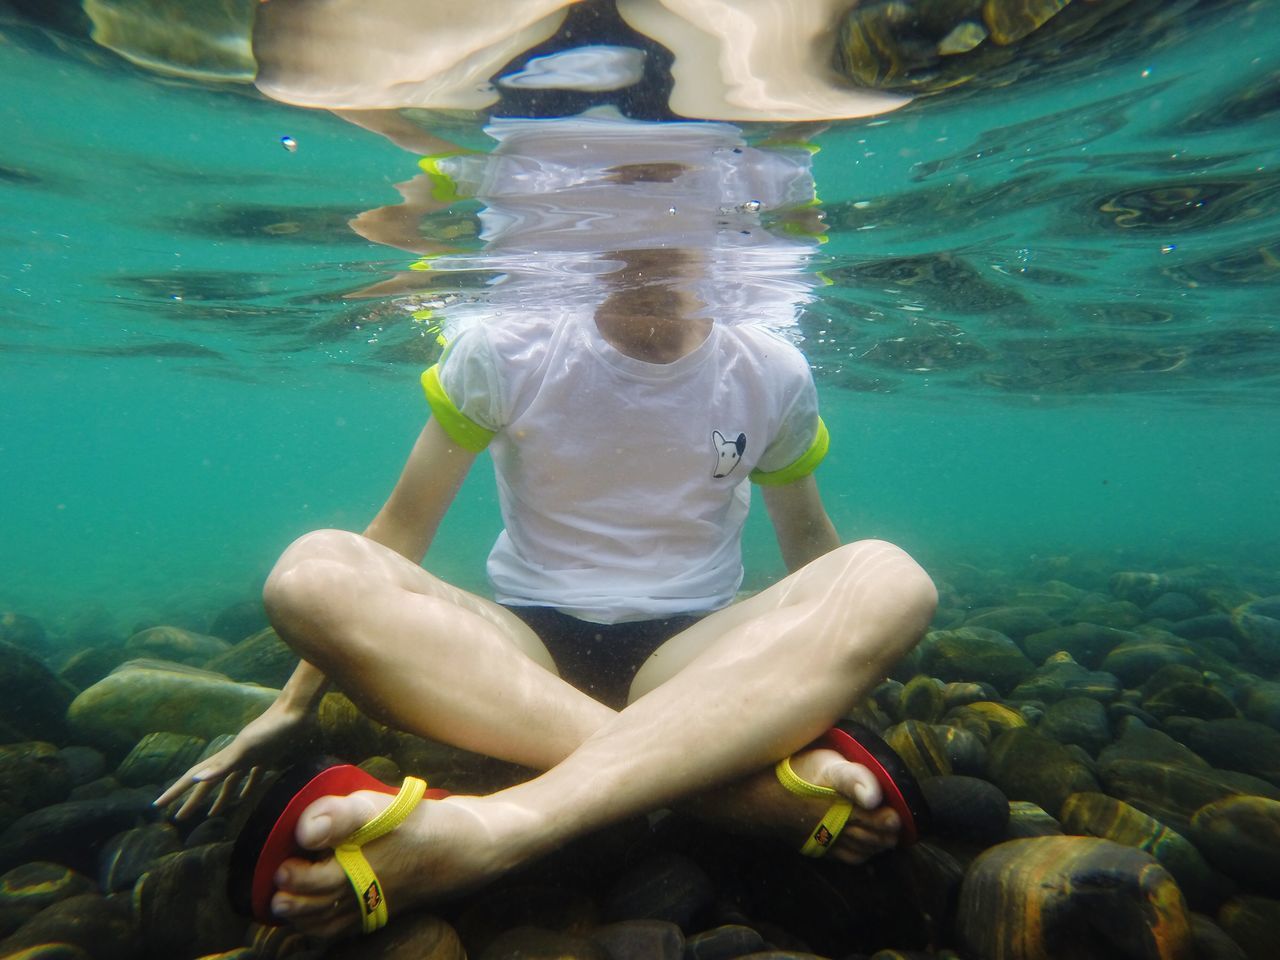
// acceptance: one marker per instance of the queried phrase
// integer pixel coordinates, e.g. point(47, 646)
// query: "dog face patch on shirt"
point(728, 453)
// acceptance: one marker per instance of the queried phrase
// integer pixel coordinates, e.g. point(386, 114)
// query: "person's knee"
point(893, 577)
point(311, 576)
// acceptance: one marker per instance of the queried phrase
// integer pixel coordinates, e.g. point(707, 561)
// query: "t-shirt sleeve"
point(801, 441)
point(465, 391)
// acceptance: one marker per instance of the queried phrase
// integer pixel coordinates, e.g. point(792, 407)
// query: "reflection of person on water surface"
point(628, 409)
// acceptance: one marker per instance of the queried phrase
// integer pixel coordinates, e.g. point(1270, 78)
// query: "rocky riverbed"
point(1102, 749)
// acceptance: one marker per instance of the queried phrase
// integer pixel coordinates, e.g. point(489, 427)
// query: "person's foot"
point(444, 847)
point(760, 805)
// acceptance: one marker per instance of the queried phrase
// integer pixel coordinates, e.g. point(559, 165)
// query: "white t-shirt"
point(623, 484)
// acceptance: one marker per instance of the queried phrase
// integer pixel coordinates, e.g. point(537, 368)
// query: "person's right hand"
point(236, 765)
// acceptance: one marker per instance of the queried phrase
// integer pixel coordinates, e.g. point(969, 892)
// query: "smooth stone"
point(1212, 942)
point(1201, 628)
point(1253, 923)
point(1258, 623)
point(49, 951)
point(260, 658)
point(71, 833)
point(640, 940)
point(974, 653)
point(1237, 744)
point(85, 668)
point(159, 758)
point(886, 696)
point(1241, 836)
point(20, 630)
point(1027, 820)
point(83, 764)
point(532, 943)
point(966, 808)
point(33, 699)
point(144, 696)
point(986, 719)
point(1143, 587)
point(414, 937)
point(182, 903)
point(1173, 675)
point(922, 699)
point(1098, 815)
point(1013, 622)
point(1173, 606)
point(1080, 721)
point(961, 693)
point(29, 888)
point(1072, 898)
point(1060, 677)
point(344, 731)
point(930, 875)
point(664, 886)
point(1177, 791)
point(1135, 660)
point(176, 644)
point(507, 907)
point(725, 942)
point(32, 775)
point(965, 750)
point(1027, 765)
point(128, 855)
point(1261, 701)
point(103, 927)
point(1116, 614)
point(239, 620)
point(1190, 700)
point(1088, 643)
point(920, 748)
point(1139, 741)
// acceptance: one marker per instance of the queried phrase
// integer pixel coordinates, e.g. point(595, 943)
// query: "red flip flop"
point(898, 784)
point(267, 839)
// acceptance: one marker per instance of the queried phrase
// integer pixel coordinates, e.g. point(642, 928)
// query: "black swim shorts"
point(600, 659)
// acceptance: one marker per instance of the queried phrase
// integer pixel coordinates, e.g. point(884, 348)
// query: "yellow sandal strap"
point(832, 822)
point(373, 905)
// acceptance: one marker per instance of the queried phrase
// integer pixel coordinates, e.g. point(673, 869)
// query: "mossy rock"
point(973, 653)
point(1027, 765)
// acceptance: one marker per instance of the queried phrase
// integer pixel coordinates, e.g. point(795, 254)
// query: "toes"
point(330, 820)
point(854, 781)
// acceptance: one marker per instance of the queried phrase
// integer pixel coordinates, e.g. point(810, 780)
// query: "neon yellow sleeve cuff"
point(800, 468)
point(462, 430)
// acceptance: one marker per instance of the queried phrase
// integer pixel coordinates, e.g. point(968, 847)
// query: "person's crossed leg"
point(712, 711)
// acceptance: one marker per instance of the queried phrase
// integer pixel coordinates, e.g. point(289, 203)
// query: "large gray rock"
point(145, 696)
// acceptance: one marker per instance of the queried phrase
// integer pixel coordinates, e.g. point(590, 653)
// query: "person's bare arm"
point(800, 521)
point(407, 523)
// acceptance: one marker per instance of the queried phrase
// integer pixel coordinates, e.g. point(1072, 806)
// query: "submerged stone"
point(1258, 624)
point(32, 775)
point(1013, 622)
point(1135, 660)
point(1088, 643)
point(723, 943)
point(1060, 677)
point(920, 749)
point(415, 937)
point(922, 699)
point(1027, 819)
point(260, 658)
point(1212, 942)
point(641, 940)
point(159, 758)
point(665, 886)
point(176, 644)
point(1236, 744)
point(182, 903)
point(964, 749)
point(1138, 741)
point(33, 700)
point(974, 653)
point(1189, 700)
point(1253, 923)
point(103, 927)
point(1241, 836)
point(71, 833)
point(1097, 815)
point(28, 889)
point(145, 696)
point(1176, 790)
point(1080, 721)
point(1027, 765)
point(1072, 898)
point(128, 855)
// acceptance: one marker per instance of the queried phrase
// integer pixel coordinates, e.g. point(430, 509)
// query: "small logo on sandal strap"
point(372, 897)
point(822, 836)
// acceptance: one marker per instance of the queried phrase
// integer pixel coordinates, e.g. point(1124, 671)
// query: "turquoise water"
point(1051, 328)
